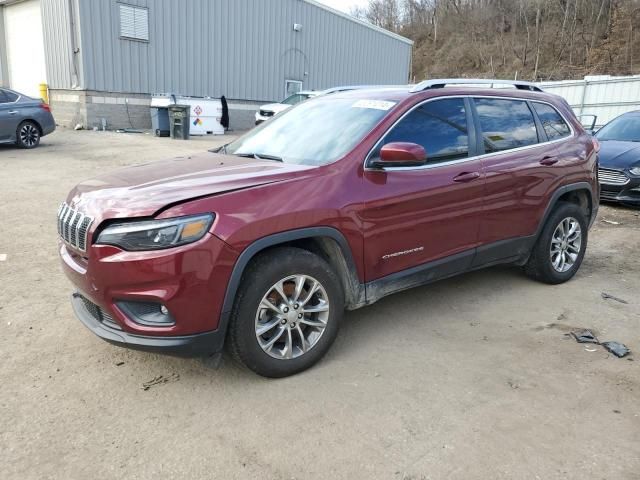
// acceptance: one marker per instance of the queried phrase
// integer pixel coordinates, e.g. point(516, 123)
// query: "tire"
point(249, 332)
point(561, 264)
point(28, 135)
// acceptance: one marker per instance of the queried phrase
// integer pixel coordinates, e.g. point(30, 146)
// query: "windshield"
point(295, 98)
point(624, 129)
point(316, 132)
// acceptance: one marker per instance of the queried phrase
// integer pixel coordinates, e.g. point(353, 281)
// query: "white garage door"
point(25, 47)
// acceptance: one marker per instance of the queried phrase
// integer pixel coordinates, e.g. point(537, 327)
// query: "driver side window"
point(440, 127)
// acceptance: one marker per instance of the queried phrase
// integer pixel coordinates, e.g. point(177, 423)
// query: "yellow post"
point(44, 92)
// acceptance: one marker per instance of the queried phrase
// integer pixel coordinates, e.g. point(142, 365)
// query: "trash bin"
point(179, 121)
point(160, 115)
point(160, 121)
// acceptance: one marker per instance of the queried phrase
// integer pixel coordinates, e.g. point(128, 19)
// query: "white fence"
point(604, 96)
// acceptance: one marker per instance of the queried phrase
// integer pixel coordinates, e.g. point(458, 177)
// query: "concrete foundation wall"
point(90, 108)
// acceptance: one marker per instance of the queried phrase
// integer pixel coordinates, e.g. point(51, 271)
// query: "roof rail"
point(443, 82)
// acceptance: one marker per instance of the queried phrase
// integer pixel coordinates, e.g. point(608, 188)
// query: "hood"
point(619, 155)
point(142, 190)
point(275, 107)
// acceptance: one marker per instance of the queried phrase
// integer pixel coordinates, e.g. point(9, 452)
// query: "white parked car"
point(271, 109)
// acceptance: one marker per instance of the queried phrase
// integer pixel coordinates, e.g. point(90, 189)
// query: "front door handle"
point(548, 161)
point(466, 177)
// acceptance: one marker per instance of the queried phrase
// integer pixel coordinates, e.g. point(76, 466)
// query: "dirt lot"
point(469, 378)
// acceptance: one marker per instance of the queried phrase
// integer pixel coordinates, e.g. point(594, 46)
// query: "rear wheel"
point(559, 251)
point(287, 312)
point(28, 135)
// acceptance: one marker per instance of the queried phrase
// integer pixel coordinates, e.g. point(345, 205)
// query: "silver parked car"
point(23, 120)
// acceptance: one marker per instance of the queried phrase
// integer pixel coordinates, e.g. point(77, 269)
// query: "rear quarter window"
point(9, 96)
point(505, 124)
point(554, 125)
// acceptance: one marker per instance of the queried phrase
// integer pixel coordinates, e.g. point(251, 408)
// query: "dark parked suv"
point(330, 206)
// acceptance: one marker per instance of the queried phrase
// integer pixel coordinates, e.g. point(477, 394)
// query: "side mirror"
point(401, 154)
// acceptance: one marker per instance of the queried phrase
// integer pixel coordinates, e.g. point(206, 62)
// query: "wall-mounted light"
point(297, 27)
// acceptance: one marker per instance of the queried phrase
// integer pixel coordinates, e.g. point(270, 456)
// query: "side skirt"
point(514, 251)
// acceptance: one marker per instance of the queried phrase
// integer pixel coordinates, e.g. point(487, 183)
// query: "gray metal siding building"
point(243, 49)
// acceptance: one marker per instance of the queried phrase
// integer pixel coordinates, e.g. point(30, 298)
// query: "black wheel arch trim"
point(30, 120)
point(560, 192)
point(355, 289)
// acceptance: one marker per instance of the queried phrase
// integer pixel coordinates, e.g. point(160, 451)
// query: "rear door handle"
point(466, 177)
point(13, 112)
point(548, 161)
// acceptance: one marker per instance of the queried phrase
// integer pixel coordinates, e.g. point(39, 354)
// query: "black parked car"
point(619, 171)
point(23, 120)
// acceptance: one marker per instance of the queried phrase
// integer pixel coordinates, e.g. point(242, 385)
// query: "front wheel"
point(28, 135)
point(559, 251)
point(287, 312)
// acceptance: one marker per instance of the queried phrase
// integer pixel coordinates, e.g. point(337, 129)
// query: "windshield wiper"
point(222, 149)
point(259, 156)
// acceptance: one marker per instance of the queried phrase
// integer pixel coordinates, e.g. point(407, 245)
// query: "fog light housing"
point(149, 314)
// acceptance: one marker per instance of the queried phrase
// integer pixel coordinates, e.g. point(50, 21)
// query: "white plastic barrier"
point(603, 95)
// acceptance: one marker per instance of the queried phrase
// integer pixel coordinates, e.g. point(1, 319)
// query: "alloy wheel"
point(29, 135)
point(292, 316)
point(566, 242)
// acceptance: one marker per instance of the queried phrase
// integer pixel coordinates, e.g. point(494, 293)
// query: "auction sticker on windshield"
point(375, 104)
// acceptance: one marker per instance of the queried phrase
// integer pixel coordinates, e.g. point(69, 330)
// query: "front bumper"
point(202, 344)
point(628, 194)
point(262, 118)
point(190, 281)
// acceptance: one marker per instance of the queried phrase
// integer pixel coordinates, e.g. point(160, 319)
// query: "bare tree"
point(537, 38)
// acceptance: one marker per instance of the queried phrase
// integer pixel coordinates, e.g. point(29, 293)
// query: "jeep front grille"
point(612, 177)
point(73, 226)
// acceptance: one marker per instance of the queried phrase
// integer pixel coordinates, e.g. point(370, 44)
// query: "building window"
point(134, 22)
point(291, 87)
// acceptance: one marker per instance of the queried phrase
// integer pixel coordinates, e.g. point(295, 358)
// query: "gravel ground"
point(472, 377)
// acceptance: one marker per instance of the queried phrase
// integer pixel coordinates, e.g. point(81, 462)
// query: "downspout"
point(74, 45)
point(4, 58)
point(411, 75)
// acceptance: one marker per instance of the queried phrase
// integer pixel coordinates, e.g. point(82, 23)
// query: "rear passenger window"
point(7, 97)
point(505, 124)
point(554, 125)
point(439, 126)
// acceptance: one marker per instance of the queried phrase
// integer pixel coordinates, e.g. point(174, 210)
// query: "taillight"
point(45, 106)
point(596, 144)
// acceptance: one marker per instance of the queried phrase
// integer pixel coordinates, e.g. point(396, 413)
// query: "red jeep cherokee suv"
point(330, 206)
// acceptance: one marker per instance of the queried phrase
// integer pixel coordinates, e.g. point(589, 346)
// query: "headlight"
point(156, 234)
point(635, 171)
